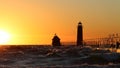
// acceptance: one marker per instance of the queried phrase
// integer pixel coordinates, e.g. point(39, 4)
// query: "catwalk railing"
point(108, 41)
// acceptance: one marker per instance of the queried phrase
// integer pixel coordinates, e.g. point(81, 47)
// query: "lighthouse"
point(80, 34)
point(56, 41)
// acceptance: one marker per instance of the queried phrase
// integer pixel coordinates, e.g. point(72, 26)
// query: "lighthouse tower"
point(80, 34)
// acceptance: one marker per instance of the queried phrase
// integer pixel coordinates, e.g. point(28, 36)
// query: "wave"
point(64, 56)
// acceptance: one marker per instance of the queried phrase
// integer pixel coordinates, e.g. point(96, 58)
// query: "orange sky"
point(36, 21)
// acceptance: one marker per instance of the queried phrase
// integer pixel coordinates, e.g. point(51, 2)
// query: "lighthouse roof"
point(56, 37)
point(79, 23)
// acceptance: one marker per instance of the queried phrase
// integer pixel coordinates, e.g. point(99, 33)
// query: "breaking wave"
point(64, 56)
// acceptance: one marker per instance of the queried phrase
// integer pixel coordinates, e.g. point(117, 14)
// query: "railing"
point(109, 41)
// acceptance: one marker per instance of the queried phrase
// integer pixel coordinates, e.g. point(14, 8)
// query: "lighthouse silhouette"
point(80, 34)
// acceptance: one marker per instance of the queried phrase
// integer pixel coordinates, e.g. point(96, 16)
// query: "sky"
point(36, 21)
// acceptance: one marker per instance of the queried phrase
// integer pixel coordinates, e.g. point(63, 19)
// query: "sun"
point(4, 37)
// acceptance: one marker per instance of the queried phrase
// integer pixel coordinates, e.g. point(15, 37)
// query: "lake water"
point(54, 57)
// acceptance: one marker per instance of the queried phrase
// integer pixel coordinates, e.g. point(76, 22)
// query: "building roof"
point(56, 37)
point(79, 23)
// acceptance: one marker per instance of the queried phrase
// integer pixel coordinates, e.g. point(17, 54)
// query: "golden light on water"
point(118, 51)
point(4, 37)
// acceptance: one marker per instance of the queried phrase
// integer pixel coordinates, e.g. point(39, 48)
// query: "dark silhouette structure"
point(56, 41)
point(80, 34)
point(117, 45)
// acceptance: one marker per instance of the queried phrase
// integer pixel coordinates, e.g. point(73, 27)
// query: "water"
point(65, 56)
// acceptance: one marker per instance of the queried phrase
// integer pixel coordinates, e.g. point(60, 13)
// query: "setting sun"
point(4, 37)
